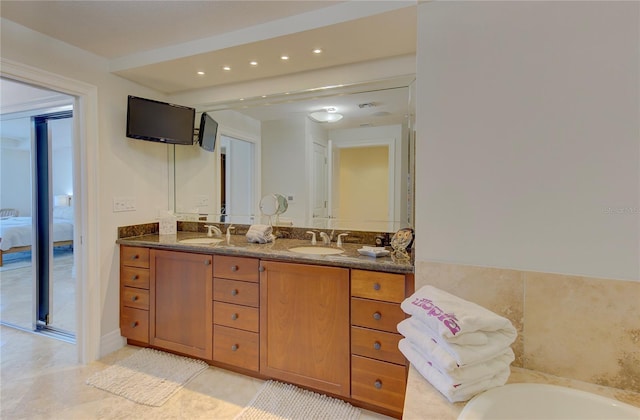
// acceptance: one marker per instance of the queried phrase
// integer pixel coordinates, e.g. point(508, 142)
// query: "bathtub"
point(541, 401)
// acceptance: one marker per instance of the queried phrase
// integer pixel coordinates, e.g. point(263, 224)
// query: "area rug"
point(279, 401)
point(148, 376)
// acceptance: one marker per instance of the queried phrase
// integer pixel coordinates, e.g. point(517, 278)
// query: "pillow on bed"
point(63, 212)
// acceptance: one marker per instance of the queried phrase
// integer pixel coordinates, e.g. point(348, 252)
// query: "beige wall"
point(364, 183)
point(528, 175)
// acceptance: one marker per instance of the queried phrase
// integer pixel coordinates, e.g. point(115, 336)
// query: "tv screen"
point(207, 135)
point(159, 121)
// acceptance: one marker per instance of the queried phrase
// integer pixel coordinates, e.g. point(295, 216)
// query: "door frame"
point(85, 185)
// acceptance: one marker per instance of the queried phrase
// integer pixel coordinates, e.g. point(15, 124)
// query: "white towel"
point(452, 318)
point(449, 356)
point(470, 373)
point(454, 392)
point(260, 234)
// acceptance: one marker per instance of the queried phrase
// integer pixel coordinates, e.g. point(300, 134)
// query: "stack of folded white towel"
point(260, 234)
point(461, 348)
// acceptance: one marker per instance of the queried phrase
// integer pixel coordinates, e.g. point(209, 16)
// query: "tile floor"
point(40, 378)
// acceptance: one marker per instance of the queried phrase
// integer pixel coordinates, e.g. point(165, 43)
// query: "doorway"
point(38, 267)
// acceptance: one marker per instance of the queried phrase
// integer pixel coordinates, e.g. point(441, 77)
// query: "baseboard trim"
point(111, 342)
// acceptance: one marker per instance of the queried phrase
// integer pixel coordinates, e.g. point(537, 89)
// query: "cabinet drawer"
point(134, 277)
point(375, 314)
point(376, 345)
point(135, 298)
point(237, 292)
point(133, 256)
point(236, 268)
point(134, 324)
point(379, 383)
point(380, 286)
point(236, 347)
point(236, 316)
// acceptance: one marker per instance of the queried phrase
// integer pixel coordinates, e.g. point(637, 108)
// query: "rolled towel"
point(260, 234)
point(454, 319)
point(470, 373)
point(449, 356)
point(453, 391)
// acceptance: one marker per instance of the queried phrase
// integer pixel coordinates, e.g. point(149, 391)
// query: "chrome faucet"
point(212, 229)
point(326, 238)
point(313, 237)
point(339, 243)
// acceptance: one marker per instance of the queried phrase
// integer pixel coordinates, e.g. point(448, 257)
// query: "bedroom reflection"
point(27, 131)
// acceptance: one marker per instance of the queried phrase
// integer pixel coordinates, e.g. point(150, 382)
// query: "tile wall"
point(575, 327)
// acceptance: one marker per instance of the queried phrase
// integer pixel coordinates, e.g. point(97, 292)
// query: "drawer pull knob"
point(376, 286)
point(234, 316)
point(377, 315)
point(378, 384)
point(261, 269)
point(134, 298)
point(207, 262)
point(135, 277)
point(135, 257)
point(377, 345)
point(234, 347)
point(234, 292)
point(134, 324)
point(234, 268)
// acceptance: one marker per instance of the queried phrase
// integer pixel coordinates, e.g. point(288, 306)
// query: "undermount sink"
point(316, 250)
point(201, 241)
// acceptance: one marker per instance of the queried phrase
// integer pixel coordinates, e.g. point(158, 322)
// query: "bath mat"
point(148, 376)
point(279, 401)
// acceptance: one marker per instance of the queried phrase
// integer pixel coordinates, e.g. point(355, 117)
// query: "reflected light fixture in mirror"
point(327, 115)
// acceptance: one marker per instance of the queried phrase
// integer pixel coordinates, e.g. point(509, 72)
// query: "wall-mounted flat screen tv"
point(152, 120)
point(208, 133)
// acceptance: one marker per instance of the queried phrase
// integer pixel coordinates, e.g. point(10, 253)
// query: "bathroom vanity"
point(323, 322)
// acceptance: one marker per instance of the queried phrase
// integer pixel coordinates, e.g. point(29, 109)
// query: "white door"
point(319, 181)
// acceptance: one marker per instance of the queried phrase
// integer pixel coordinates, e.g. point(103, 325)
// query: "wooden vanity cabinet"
point(236, 316)
point(378, 368)
point(304, 325)
point(134, 293)
point(181, 294)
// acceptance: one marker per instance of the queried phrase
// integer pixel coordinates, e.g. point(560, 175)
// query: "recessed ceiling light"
point(284, 57)
point(201, 73)
point(226, 68)
point(317, 51)
point(253, 63)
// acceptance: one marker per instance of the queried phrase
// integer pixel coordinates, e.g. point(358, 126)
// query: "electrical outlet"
point(124, 204)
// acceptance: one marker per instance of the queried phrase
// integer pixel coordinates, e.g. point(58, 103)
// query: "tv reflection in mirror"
point(208, 132)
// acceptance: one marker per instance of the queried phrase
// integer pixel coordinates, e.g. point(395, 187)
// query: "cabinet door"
point(304, 325)
point(181, 302)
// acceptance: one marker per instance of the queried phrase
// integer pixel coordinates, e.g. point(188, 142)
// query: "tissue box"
point(168, 225)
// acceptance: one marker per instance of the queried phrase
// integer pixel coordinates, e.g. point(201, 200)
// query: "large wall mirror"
point(356, 173)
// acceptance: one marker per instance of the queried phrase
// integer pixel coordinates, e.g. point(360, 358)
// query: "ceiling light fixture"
point(226, 68)
point(284, 57)
point(253, 63)
point(201, 73)
point(327, 115)
point(317, 51)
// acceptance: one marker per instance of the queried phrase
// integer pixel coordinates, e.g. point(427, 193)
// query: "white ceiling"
point(162, 44)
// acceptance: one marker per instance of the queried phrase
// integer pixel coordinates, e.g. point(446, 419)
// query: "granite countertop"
point(277, 250)
point(423, 401)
